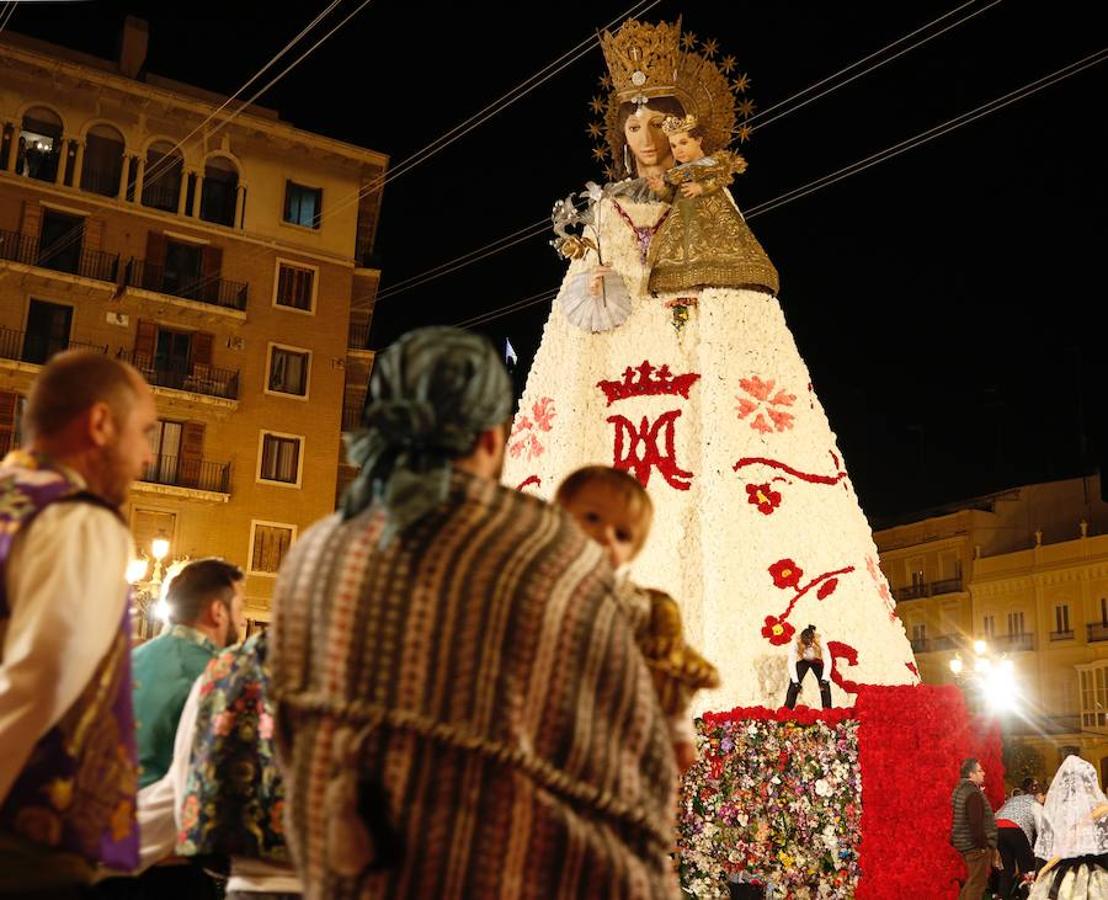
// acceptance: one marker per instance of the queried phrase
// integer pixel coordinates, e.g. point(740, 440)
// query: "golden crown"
point(675, 125)
point(642, 59)
point(646, 61)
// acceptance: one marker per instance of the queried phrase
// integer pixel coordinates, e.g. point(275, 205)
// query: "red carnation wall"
point(912, 740)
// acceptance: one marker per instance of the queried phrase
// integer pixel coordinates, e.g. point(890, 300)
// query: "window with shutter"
point(288, 370)
point(280, 458)
point(295, 287)
point(269, 542)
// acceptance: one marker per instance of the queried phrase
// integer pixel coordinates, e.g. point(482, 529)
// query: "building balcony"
point(935, 644)
point(212, 291)
point(197, 379)
point(1097, 631)
point(36, 349)
point(351, 416)
point(1013, 642)
point(358, 336)
point(1062, 635)
point(103, 181)
point(929, 589)
point(71, 259)
point(195, 474)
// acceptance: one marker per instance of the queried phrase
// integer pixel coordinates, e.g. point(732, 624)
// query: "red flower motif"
point(827, 588)
point(765, 400)
point(786, 573)
point(777, 631)
point(763, 497)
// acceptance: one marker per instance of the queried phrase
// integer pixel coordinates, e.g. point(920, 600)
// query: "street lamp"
point(993, 680)
point(980, 647)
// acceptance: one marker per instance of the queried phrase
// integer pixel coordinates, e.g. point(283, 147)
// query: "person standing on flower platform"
point(462, 710)
point(67, 751)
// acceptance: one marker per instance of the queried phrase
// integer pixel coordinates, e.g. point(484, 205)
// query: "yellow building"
point(1026, 571)
point(231, 263)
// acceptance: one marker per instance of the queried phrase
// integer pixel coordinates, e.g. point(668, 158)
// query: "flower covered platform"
point(838, 803)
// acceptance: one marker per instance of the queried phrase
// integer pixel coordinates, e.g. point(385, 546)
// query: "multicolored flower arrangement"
point(775, 798)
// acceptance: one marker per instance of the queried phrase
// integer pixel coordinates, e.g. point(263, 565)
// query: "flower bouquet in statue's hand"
point(595, 299)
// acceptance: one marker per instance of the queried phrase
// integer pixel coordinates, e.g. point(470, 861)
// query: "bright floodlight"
point(980, 647)
point(159, 547)
point(982, 666)
point(1008, 667)
point(956, 665)
point(161, 610)
point(1000, 690)
point(136, 571)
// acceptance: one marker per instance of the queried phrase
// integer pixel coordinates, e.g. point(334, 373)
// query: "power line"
point(492, 109)
point(7, 13)
point(272, 82)
point(894, 150)
point(541, 297)
point(865, 59)
point(273, 61)
point(536, 228)
point(477, 119)
point(930, 134)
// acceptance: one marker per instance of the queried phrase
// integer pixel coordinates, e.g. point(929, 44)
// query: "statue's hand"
point(692, 189)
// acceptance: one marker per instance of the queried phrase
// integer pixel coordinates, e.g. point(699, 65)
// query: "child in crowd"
point(615, 511)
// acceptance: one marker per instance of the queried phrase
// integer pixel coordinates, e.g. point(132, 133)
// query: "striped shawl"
point(475, 695)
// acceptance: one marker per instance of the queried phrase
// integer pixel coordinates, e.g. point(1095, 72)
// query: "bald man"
point(67, 770)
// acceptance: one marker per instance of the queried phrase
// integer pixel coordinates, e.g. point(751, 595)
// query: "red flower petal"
point(827, 588)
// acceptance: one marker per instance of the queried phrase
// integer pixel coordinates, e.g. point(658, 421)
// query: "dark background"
point(949, 303)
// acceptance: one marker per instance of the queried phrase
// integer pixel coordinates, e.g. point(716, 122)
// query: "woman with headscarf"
point(1074, 837)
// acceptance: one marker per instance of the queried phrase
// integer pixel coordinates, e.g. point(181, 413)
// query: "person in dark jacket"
point(973, 833)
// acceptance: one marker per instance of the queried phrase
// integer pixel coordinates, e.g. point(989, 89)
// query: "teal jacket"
point(163, 671)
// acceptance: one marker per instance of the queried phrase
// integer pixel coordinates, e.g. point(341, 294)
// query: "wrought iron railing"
point(199, 379)
point(70, 258)
point(203, 289)
point(358, 336)
point(187, 472)
point(37, 348)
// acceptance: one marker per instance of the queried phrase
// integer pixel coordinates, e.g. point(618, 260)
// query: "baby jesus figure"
point(704, 242)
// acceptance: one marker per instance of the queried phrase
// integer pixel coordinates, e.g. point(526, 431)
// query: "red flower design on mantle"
point(524, 438)
point(762, 402)
point(763, 497)
point(786, 573)
point(777, 631)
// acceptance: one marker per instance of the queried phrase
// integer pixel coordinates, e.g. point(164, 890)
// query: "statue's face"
point(648, 143)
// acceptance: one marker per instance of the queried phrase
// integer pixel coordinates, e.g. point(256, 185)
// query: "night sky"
point(950, 303)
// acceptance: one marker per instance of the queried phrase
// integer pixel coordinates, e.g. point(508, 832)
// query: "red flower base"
point(912, 740)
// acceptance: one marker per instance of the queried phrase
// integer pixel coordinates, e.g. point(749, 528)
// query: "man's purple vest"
point(76, 792)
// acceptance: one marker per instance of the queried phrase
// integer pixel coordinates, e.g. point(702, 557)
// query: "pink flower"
point(223, 724)
point(766, 403)
point(265, 726)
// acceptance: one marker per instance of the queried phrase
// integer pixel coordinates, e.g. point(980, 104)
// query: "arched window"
point(221, 184)
point(103, 166)
point(161, 187)
point(40, 144)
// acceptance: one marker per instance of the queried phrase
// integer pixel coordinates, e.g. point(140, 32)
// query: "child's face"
point(686, 148)
point(606, 516)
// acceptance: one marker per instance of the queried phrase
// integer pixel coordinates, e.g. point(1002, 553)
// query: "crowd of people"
point(1038, 845)
point(459, 696)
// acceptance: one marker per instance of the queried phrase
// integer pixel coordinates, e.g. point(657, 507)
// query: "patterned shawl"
point(473, 698)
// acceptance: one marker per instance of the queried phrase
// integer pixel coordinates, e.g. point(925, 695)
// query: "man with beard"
point(67, 764)
point(206, 615)
point(462, 710)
